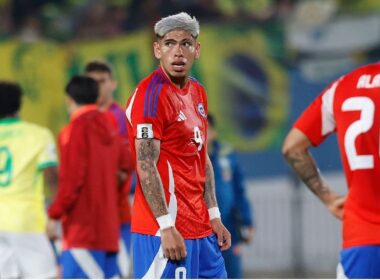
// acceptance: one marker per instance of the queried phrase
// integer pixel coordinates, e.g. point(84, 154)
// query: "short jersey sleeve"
point(48, 153)
point(147, 112)
point(318, 121)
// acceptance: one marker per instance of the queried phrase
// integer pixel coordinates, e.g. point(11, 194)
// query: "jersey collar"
point(9, 120)
point(163, 74)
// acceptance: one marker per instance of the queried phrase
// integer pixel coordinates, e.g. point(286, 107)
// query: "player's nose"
point(178, 50)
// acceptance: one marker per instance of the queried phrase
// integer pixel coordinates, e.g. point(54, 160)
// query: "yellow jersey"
point(25, 150)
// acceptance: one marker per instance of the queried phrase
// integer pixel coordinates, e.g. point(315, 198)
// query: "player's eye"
point(187, 44)
point(169, 43)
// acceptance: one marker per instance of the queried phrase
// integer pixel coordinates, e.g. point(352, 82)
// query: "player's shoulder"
point(373, 68)
point(36, 129)
point(196, 83)
point(151, 82)
point(153, 88)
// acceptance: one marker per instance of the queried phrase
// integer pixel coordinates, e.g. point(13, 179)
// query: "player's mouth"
point(178, 65)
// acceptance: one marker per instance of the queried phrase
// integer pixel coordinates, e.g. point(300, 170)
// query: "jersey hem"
point(348, 245)
point(187, 237)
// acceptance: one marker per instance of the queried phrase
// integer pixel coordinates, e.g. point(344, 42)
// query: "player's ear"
point(197, 50)
point(157, 50)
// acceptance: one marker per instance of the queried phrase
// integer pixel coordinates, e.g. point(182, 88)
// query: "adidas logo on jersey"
point(181, 117)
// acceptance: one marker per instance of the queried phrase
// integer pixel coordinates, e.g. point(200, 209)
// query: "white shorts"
point(26, 255)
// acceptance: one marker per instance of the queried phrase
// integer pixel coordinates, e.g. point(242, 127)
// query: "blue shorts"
point(83, 263)
point(124, 254)
point(360, 262)
point(204, 259)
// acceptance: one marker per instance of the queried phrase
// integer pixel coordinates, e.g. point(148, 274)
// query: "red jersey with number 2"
point(178, 118)
point(350, 106)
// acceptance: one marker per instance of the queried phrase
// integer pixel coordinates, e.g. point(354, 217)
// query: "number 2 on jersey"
point(5, 167)
point(367, 113)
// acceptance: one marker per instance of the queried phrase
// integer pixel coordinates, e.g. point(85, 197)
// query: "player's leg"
point(124, 254)
point(35, 255)
point(211, 262)
point(360, 262)
point(232, 261)
point(149, 262)
point(8, 261)
point(83, 263)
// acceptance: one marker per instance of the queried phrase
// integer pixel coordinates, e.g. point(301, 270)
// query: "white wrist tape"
point(214, 213)
point(165, 221)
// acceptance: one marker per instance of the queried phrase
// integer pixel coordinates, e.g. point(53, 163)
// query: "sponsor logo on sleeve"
point(144, 131)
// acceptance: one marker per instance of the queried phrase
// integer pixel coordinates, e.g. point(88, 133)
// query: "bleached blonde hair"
point(181, 21)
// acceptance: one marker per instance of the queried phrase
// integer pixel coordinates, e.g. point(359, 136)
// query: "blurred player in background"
point(350, 107)
point(234, 206)
point(27, 160)
point(175, 212)
point(86, 201)
point(101, 72)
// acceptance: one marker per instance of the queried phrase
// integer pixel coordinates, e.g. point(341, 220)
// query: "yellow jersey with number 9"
point(25, 150)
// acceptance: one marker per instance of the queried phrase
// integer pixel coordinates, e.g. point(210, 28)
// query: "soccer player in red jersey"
point(87, 189)
point(101, 72)
point(350, 107)
point(176, 226)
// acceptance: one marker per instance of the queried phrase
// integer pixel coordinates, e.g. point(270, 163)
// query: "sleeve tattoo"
point(209, 193)
point(148, 152)
point(305, 167)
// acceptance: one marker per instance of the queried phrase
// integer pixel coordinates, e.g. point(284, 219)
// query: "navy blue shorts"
point(204, 259)
point(360, 262)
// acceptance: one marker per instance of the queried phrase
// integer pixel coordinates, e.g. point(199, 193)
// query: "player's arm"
point(296, 152)
point(51, 178)
point(72, 174)
point(147, 154)
point(224, 236)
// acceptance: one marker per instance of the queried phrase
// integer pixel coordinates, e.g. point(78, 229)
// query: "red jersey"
point(178, 118)
point(350, 106)
point(86, 201)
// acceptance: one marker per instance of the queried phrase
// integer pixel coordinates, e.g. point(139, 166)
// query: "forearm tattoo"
point(305, 167)
point(209, 193)
point(151, 184)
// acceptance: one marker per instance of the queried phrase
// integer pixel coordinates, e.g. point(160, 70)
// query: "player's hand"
point(173, 244)
point(336, 206)
point(224, 236)
point(51, 229)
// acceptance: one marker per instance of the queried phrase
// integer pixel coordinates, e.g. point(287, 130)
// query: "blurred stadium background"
point(262, 62)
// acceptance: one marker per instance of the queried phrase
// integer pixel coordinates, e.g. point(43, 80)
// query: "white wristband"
point(214, 213)
point(165, 221)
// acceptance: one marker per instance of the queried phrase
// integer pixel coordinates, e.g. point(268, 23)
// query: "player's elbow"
point(288, 148)
point(295, 142)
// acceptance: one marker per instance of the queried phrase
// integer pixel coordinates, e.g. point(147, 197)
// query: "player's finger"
point(173, 256)
point(167, 254)
point(183, 252)
point(219, 234)
point(227, 241)
point(178, 254)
